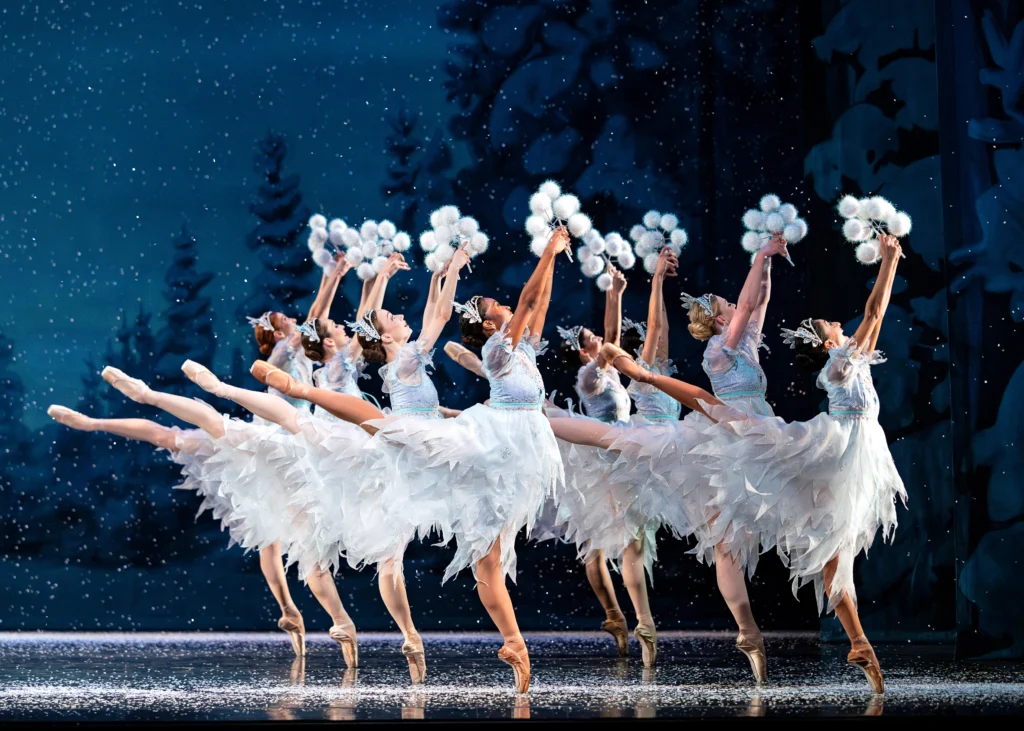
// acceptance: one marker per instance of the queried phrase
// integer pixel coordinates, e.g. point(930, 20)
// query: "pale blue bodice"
point(847, 380)
point(512, 372)
point(735, 373)
point(651, 402)
point(408, 383)
point(294, 362)
point(602, 394)
point(341, 375)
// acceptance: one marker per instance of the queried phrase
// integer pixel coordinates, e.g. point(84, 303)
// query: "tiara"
point(640, 327)
point(309, 330)
point(704, 301)
point(805, 332)
point(262, 321)
point(571, 336)
point(364, 326)
point(469, 310)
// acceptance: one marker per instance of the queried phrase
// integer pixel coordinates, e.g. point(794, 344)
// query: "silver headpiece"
point(470, 309)
point(705, 302)
point(805, 332)
point(640, 327)
point(571, 336)
point(309, 330)
point(262, 321)
point(364, 326)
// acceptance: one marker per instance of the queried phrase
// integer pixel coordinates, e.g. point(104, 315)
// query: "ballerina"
point(202, 453)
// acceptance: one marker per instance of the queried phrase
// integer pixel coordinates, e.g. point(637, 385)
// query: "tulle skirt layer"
point(480, 477)
point(816, 490)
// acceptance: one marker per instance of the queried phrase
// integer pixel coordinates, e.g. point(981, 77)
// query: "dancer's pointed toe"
point(296, 633)
point(520, 664)
point(863, 656)
point(132, 388)
point(345, 636)
point(69, 417)
point(201, 376)
point(753, 647)
point(619, 632)
point(412, 648)
point(648, 638)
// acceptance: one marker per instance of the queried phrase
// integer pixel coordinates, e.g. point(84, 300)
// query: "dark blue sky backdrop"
point(117, 120)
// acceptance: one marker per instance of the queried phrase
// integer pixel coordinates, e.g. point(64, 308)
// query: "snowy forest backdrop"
point(696, 107)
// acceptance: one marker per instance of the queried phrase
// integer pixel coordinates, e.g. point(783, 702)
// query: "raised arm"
point(434, 289)
point(531, 297)
point(657, 315)
point(764, 295)
point(751, 292)
point(540, 315)
point(443, 309)
point(878, 301)
point(613, 306)
point(375, 298)
point(328, 288)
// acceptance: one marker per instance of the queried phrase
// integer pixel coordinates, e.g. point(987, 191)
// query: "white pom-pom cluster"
point(597, 251)
point(449, 230)
point(659, 230)
point(367, 248)
point(772, 217)
point(866, 218)
point(550, 208)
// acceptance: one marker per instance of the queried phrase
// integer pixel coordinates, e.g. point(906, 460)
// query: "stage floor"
point(251, 677)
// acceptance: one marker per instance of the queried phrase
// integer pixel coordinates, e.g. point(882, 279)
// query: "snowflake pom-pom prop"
point(771, 218)
point(551, 207)
point(597, 251)
point(365, 247)
point(449, 231)
point(658, 231)
point(868, 218)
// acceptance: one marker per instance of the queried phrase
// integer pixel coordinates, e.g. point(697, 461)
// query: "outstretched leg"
point(291, 620)
point(142, 430)
point(392, 591)
point(585, 432)
point(262, 404)
point(861, 653)
point(601, 582)
point(685, 393)
point(636, 584)
point(490, 578)
point(350, 408)
point(194, 412)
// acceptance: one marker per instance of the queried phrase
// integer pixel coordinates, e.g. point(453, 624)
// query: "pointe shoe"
point(273, 377)
point(863, 656)
point(648, 638)
point(296, 633)
point(345, 635)
point(133, 388)
point(69, 417)
point(520, 662)
point(412, 648)
point(201, 376)
point(753, 648)
point(625, 363)
point(619, 631)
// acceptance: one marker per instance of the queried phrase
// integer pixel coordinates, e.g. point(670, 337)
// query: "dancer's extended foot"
point(620, 633)
point(133, 388)
point(625, 364)
point(291, 622)
point(70, 418)
point(412, 648)
point(513, 652)
point(863, 656)
point(648, 638)
point(273, 377)
point(202, 377)
point(345, 635)
point(752, 645)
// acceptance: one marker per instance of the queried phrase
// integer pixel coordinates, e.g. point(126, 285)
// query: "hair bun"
point(700, 331)
point(266, 348)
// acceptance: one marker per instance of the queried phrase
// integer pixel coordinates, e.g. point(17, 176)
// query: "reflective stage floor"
point(252, 677)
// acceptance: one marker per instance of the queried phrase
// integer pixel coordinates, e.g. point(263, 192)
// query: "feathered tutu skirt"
point(241, 483)
point(816, 490)
point(479, 477)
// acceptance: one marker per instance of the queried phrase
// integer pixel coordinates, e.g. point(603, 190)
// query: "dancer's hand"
point(459, 259)
point(396, 263)
point(341, 266)
point(618, 279)
point(777, 246)
point(667, 263)
point(559, 241)
point(890, 247)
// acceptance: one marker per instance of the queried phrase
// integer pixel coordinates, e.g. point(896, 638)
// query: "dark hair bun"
point(811, 357)
point(373, 350)
point(473, 335)
point(570, 356)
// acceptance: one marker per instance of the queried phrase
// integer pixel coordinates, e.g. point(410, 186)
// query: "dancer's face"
point(336, 339)
point(283, 326)
point(392, 328)
point(830, 332)
point(726, 310)
point(590, 345)
point(494, 315)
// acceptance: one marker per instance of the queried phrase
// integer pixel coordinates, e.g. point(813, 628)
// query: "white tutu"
point(489, 469)
point(240, 484)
